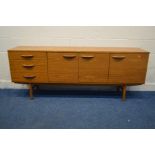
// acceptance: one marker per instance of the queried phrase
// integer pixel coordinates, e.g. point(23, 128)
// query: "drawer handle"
point(118, 57)
point(69, 56)
point(87, 56)
point(30, 77)
point(27, 56)
point(28, 66)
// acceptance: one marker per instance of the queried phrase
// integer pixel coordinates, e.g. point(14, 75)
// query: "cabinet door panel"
point(93, 68)
point(128, 68)
point(63, 67)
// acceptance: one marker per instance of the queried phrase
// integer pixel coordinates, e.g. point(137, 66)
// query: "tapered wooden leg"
point(31, 91)
point(124, 92)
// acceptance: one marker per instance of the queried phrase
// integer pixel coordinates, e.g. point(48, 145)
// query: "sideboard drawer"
point(27, 55)
point(31, 77)
point(63, 67)
point(128, 68)
point(93, 68)
point(32, 65)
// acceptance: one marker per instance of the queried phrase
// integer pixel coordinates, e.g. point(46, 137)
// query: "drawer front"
point(29, 77)
point(27, 55)
point(128, 68)
point(63, 67)
point(28, 66)
point(93, 67)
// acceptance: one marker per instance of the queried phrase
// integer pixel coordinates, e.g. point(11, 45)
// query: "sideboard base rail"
point(118, 88)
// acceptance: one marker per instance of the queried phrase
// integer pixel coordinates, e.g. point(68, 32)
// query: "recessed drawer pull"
point(118, 57)
point(69, 56)
point(27, 56)
point(30, 77)
point(87, 56)
point(28, 66)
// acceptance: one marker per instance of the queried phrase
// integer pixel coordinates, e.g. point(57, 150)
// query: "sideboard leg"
point(124, 92)
point(31, 91)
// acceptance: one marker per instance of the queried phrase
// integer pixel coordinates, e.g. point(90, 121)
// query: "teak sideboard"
point(78, 65)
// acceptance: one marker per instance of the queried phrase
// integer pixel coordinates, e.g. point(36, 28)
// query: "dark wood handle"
point(69, 56)
point(28, 66)
point(118, 57)
point(30, 77)
point(27, 56)
point(87, 56)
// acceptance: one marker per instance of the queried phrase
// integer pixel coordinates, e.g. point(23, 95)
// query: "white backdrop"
point(143, 37)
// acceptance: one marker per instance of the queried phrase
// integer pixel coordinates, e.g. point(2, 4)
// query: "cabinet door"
point(93, 68)
point(128, 68)
point(63, 67)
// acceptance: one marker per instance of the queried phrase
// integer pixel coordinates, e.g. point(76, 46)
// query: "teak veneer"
point(78, 65)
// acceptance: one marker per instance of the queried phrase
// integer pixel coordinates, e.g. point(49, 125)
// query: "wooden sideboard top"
point(78, 49)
